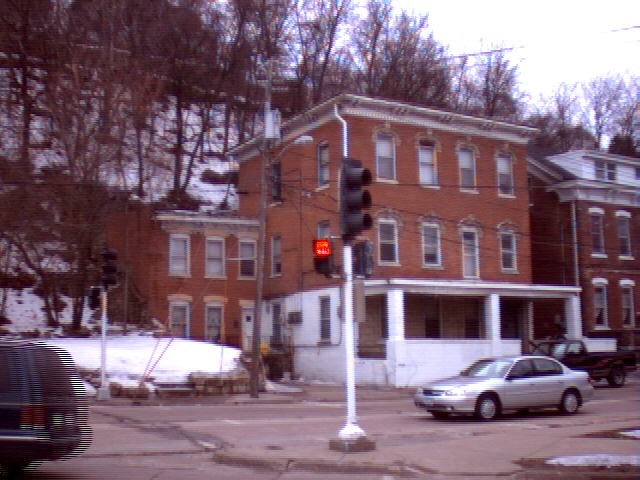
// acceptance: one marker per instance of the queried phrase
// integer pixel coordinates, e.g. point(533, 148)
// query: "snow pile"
point(165, 360)
point(596, 460)
point(631, 433)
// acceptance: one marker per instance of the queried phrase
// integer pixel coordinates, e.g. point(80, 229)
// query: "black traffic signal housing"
point(323, 256)
point(354, 198)
point(363, 259)
point(94, 297)
point(109, 268)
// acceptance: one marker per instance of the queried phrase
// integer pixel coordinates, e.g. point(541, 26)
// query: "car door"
point(548, 380)
point(519, 385)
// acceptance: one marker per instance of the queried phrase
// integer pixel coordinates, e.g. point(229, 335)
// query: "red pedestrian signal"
point(323, 256)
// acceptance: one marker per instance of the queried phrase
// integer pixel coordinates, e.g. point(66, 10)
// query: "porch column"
point(572, 316)
point(492, 321)
point(527, 331)
point(395, 340)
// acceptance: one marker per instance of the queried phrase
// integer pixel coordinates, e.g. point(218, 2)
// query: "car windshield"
point(488, 368)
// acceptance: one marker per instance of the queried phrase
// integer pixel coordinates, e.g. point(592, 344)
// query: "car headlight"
point(456, 392)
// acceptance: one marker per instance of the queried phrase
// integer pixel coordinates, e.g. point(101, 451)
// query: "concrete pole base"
point(355, 445)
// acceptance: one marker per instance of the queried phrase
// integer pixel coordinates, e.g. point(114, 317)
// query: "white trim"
point(599, 281)
point(623, 213)
point(625, 282)
point(596, 211)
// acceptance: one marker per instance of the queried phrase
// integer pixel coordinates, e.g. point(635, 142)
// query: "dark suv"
point(43, 405)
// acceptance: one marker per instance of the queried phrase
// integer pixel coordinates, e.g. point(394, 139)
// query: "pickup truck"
point(612, 366)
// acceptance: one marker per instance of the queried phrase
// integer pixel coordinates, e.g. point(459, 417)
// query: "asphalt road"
point(178, 439)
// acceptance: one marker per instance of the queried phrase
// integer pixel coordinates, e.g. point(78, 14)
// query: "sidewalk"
point(481, 450)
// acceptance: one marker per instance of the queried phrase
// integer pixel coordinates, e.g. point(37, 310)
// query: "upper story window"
point(470, 253)
point(179, 255)
point(623, 222)
point(385, 157)
point(508, 251)
point(605, 170)
point(431, 248)
point(276, 255)
point(504, 166)
point(388, 241)
point(214, 261)
point(626, 297)
point(247, 258)
point(467, 168)
point(427, 163)
point(323, 164)
point(276, 182)
point(600, 313)
point(597, 232)
point(323, 229)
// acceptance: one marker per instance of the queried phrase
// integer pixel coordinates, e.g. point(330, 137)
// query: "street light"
point(254, 380)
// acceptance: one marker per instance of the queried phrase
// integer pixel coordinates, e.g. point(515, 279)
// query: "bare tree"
point(601, 97)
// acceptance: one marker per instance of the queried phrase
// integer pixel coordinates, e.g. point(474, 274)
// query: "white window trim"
point(208, 305)
point(512, 194)
point(254, 258)
point(627, 285)
point(474, 188)
point(627, 215)
point(395, 242)
point(172, 270)
point(207, 273)
point(181, 303)
point(476, 253)
point(394, 177)
point(434, 165)
point(597, 212)
point(273, 257)
point(322, 146)
point(504, 269)
point(601, 283)
point(437, 264)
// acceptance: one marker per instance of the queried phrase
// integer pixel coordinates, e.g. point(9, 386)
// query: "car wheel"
point(487, 407)
point(570, 402)
point(440, 415)
point(617, 376)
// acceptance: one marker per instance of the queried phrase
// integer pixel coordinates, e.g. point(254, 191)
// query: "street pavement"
point(417, 446)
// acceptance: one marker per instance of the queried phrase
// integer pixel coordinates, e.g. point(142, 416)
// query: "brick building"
point(585, 220)
point(453, 274)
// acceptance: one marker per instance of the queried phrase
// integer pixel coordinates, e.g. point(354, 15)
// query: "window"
point(179, 255)
point(276, 255)
point(470, 254)
point(626, 295)
point(276, 182)
point(637, 173)
point(247, 258)
point(385, 157)
point(214, 262)
point(508, 251)
point(276, 325)
point(600, 305)
point(605, 170)
point(325, 319)
point(323, 229)
point(504, 165)
point(431, 249)
point(213, 322)
point(179, 318)
point(387, 241)
point(597, 234)
point(544, 367)
point(624, 235)
point(323, 164)
point(466, 164)
point(426, 163)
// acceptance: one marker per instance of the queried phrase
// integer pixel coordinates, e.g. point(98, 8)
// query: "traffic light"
point(94, 297)
point(323, 256)
point(109, 268)
point(363, 260)
point(353, 198)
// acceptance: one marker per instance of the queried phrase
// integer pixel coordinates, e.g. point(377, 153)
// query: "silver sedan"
point(492, 386)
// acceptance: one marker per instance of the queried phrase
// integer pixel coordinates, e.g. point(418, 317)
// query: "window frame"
point(429, 167)
point(437, 244)
point(624, 235)
point(605, 171)
point(382, 138)
point(322, 164)
point(513, 251)
point(242, 261)
point(598, 248)
point(600, 303)
point(324, 310)
point(216, 306)
point(173, 305)
point(276, 256)
point(505, 189)
point(179, 270)
point(472, 155)
point(382, 242)
point(475, 255)
point(627, 305)
point(209, 258)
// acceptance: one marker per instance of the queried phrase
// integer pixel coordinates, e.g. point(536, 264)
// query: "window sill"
point(387, 180)
point(602, 327)
point(320, 188)
point(430, 186)
point(506, 195)
point(246, 278)
point(626, 257)
point(599, 255)
point(472, 191)
point(509, 272)
point(433, 267)
point(179, 275)
point(324, 343)
point(215, 277)
point(389, 264)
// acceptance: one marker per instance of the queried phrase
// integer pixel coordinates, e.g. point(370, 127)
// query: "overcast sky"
point(555, 41)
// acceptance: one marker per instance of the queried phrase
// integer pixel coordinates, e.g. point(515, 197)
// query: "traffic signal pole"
point(103, 392)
